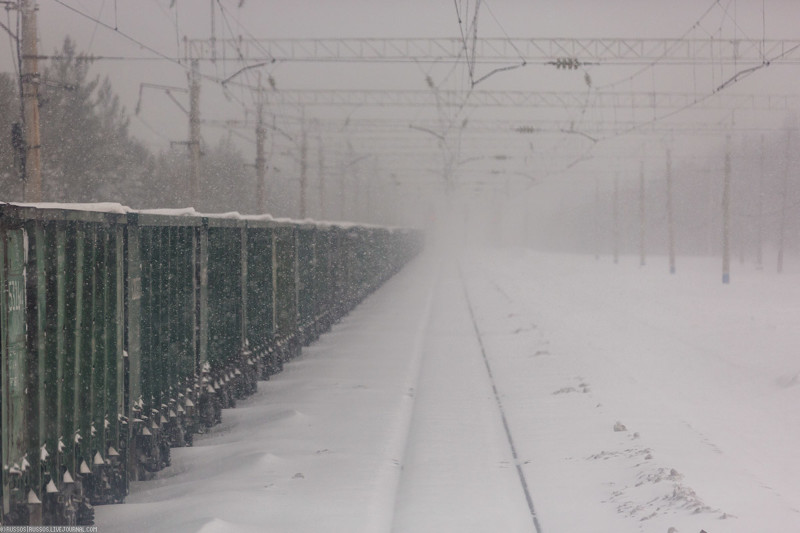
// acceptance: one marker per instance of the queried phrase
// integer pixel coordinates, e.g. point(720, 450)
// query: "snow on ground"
point(318, 448)
point(458, 470)
point(702, 376)
point(636, 400)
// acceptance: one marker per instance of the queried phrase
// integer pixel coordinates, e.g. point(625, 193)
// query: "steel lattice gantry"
point(743, 52)
point(532, 99)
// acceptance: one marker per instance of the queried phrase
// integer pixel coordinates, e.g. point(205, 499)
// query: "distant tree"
point(166, 181)
point(10, 183)
point(226, 183)
point(88, 154)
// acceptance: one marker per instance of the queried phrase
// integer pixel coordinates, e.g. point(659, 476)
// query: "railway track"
point(460, 470)
point(523, 481)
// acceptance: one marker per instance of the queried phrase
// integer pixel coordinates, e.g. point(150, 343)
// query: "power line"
point(655, 61)
point(523, 61)
point(533, 99)
point(121, 33)
point(13, 40)
point(245, 68)
point(94, 30)
point(175, 23)
point(246, 31)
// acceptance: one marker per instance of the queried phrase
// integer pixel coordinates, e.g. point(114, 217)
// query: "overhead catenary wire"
point(226, 13)
point(175, 22)
point(666, 51)
point(94, 29)
point(239, 55)
point(121, 33)
point(737, 77)
point(150, 49)
point(523, 62)
point(245, 67)
point(18, 49)
point(13, 41)
point(153, 130)
point(455, 60)
point(453, 119)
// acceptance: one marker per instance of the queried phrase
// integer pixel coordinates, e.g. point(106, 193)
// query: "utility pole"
point(303, 166)
point(782, 230)
point(194, 131)
point(760, 225)
point(726, 215)
point(261, 134)
point(596, 219)
point(670, 222)
point(342, 185)
point(615, 220)
point(213, 34)
point(354, 193)
point(642, 217)
point(321, 162)
point(30, 103)
point(373, 177)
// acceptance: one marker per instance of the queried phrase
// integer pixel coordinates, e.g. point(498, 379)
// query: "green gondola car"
point(124, 333)
point(63, 430)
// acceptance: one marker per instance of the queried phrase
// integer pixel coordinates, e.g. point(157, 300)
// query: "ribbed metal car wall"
point(123, 334)
point(162, 302)
point(61, 347)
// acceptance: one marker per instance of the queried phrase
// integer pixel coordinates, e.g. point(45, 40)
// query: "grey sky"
point(161, 24)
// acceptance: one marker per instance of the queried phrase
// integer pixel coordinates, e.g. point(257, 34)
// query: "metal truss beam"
point(381, 131)
point(530, 99)
point(497, 50)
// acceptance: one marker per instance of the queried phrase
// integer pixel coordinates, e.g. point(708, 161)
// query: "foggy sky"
point(409, 155)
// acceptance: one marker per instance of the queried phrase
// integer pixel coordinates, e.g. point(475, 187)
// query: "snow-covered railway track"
point(499, 401)
point(459, 469)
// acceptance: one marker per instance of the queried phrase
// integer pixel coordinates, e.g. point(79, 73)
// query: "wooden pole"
point(321, 162)
point(194, 132)
point(597, 218)
point(760, 224)
point(726, 216)
point(303, 166)
point(30, 103)
point(784, 204)
point(261, 166)
point(670, 221)
point(642, 216)
point(615, 220)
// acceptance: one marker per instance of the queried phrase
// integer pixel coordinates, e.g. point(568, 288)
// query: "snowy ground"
point(635, 400)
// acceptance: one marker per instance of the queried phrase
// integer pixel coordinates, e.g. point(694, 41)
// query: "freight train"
point(124, 333)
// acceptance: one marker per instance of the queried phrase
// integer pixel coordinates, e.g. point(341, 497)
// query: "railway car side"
point(63, 422)
point(123, 334)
